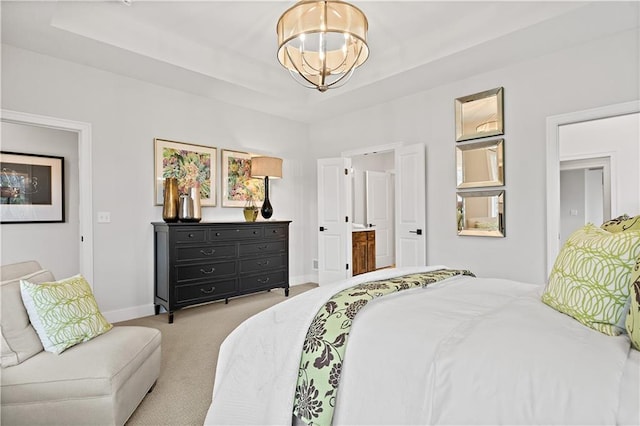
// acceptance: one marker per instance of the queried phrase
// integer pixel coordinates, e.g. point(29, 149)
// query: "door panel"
point(411, 206)
point(380, 215)
point(334, 239)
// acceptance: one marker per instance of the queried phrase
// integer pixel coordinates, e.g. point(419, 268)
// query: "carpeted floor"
point(190, 347)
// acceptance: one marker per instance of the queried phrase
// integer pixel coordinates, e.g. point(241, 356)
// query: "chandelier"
point(321, 43)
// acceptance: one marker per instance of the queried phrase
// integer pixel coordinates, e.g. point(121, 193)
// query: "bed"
point(458, 350)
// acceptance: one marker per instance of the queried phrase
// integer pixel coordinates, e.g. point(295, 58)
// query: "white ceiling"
point(226, 50)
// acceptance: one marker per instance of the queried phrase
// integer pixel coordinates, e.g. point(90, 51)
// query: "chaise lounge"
point(100, 381)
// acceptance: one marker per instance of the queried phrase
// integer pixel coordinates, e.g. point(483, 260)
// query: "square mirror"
point(480, 164)
point(480, 115)
point(481, 213)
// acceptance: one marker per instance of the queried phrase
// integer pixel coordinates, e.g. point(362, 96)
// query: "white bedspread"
point(462, 351)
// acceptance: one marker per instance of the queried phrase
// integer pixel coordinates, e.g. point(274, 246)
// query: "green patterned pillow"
point(622, 223)
point(633, 317)
point(590, 278)
point(64, 313)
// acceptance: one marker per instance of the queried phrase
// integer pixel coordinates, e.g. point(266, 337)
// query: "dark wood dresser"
point(203, 262)
point(363, 244)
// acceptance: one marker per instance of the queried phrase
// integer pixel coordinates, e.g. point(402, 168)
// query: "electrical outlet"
point(104, 217)
point(315, 264)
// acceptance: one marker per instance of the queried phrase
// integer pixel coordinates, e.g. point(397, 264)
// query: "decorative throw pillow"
point(19, 340)
point(64, 313)
point(590, 278)
point(633, 317)
point(622, 223)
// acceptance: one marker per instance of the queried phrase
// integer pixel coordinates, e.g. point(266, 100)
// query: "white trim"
point(84, 165)
point(371, 150)
point(553, 165)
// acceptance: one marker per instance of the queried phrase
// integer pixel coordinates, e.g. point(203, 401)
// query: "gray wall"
point(126, 115)
point(594, 74)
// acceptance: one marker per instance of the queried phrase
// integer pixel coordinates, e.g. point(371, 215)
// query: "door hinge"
point(81, 239)
point(346, 171)
point(347, 266)
point(346, 219)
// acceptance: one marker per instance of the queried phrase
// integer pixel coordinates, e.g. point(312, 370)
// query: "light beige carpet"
point(190, 347)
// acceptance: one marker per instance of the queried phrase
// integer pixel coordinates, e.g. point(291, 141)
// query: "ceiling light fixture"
point(321, 43)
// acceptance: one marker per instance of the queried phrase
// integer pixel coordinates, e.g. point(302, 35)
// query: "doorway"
point(585, 193)
point(85, 209)
point(373, 201)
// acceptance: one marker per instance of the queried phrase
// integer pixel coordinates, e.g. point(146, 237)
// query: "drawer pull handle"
point(211, 290)
point(262, 247)
point(211, 271)
point(264, 281)
point(208, 252)
point(255, 232)
point(191, 235)
point(275, 231)
point(265, 263)
point(217, 234)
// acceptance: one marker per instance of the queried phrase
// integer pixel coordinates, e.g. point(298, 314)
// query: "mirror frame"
point(460, 163)
point(461, 121)
point(460, 202)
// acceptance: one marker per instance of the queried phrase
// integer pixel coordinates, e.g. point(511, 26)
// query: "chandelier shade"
point(322, 42)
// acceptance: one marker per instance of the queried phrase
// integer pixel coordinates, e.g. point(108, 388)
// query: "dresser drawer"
point(243, 232)
point(265, 263)
point(190, 235)
point(267, 279)
point(207, 291)
point(275, 231)
point(211, 270)
point(251, 249)
point(205, 252)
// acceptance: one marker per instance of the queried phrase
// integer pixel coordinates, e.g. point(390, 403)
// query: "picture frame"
point(31, 188)
point(481, 213)
point(188, 163)
point(480, 115)
point(480, 164)
point(238, 187)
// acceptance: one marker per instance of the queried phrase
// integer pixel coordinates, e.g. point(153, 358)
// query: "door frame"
point(553, 165)
point(83, 130)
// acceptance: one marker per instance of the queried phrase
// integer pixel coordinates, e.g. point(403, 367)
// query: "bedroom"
point(593, 65)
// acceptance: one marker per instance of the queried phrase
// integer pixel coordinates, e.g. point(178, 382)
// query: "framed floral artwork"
point(188, 163)
point(238, 187)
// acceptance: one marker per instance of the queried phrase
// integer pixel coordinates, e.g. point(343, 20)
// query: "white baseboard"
point(303, 279)
point(129, 313)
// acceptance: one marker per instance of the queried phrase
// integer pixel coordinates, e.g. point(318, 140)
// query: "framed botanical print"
point(189, 164)
point(238, 187)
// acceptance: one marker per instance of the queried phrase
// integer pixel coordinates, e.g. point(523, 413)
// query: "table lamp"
point(266, 167)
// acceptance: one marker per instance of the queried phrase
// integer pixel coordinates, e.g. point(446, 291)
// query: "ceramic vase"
point(197, 206)
point(170, 204)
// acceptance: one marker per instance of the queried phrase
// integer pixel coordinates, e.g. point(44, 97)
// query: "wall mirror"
point(480, 115)
point(480, 164)
point(481, 213)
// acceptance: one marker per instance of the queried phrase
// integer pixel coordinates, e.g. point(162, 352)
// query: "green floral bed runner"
point(326, 341)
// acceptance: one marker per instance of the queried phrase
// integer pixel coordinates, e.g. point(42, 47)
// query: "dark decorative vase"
point(171, 200)
point(266, 210)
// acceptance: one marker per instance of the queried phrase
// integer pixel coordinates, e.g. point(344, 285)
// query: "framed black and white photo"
point(31, 188)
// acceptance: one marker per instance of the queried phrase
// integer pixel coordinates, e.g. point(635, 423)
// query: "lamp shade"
point(266, 167)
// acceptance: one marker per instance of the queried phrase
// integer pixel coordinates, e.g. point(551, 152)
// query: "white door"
point(379, 211)
point(411, 243)
point(334, 224)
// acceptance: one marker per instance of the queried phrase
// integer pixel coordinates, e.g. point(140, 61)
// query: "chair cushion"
point(63, 313)
point(91, 369)
point(19, 339)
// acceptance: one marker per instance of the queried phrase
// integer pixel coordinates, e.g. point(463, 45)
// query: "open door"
point(379, 215)
point(411, 243)
point(334, 225)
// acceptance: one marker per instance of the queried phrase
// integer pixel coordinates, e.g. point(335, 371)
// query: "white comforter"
point(462, 351)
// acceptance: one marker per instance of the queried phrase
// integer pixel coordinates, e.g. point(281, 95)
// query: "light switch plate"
point(104, 217)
